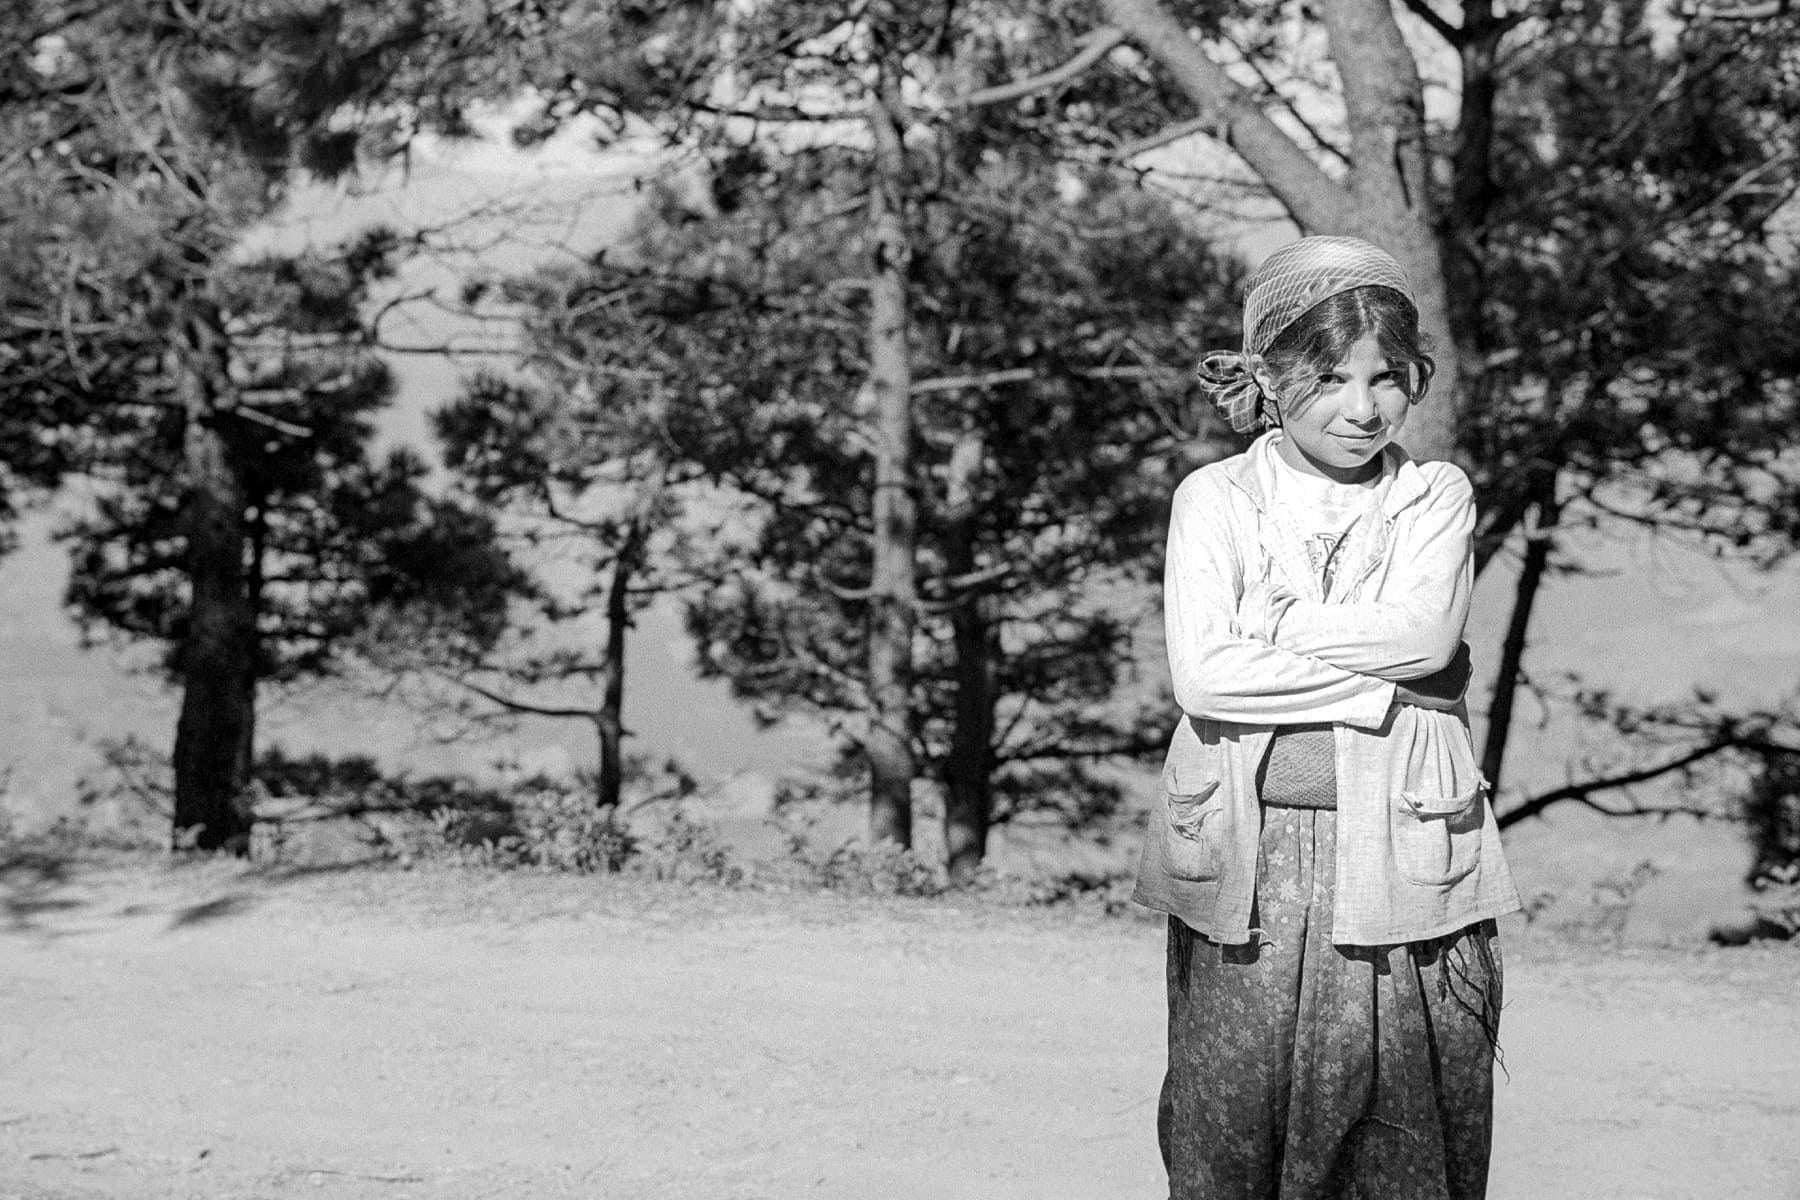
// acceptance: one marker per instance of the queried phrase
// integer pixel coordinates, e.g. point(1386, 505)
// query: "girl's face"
point(1360, 405)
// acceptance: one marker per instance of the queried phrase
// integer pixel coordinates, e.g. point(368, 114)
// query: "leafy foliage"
point(1640, 303)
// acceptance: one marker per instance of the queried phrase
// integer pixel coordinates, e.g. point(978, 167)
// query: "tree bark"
point(892, 584)
point(1316, 202)
point(609, 720)
point(1390, 179)
point(1540, 542)
point(969, 773)
point(216, 661)
point(1473, 189)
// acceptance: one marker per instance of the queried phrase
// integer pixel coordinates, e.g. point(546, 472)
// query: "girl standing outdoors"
point(1322, 839)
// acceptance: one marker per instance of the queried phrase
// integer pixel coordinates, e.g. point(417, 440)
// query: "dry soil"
point(218, 1031)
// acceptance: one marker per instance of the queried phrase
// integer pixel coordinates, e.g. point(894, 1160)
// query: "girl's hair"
point(1321, 337)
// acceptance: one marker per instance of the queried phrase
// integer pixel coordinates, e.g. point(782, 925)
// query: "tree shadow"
point(266, 878)
point(40, 883)
point(228, 905)
point(33, 881)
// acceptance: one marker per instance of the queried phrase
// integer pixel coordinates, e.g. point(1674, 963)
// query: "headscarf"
point(1291, 281)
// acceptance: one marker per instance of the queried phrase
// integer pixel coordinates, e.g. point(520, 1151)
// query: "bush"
point(314, 807)
point(690, 852)
point(856, 867)
point(548, 825)
point(1776, 905)
point(1772, 809)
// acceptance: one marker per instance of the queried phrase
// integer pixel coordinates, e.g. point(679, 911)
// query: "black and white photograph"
point(942, 599)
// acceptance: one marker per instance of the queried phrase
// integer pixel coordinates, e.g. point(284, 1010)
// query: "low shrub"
point(547, 825)
point(854, 866)
point(689, 851)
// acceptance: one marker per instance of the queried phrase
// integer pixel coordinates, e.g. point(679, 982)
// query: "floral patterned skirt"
point(1302, 1070)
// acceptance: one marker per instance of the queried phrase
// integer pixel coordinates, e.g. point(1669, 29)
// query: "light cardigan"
point(1252, 645)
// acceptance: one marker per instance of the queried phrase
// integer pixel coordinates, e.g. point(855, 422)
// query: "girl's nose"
point(1359, 401)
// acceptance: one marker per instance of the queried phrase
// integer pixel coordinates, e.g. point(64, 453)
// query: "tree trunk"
point(1390, 186)
point(892, 586)
point(216, 661)
point(1473, 191)
point(1540, 541)
point(1431, 426)
point(969, 773)
point(610, 719)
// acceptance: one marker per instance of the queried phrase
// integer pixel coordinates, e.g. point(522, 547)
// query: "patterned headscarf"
point(1291, 281)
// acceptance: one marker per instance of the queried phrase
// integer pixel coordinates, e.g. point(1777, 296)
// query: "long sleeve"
point(1218, 672)
point(1431, 575)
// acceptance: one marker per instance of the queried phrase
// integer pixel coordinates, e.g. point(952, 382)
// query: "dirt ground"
point(215, 1031)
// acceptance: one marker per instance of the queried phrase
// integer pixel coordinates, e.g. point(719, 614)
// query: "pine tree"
point(220, 405)
point(1055, 314)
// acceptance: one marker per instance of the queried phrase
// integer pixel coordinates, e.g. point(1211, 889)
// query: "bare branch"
point(275, 423)
point(1099, 44)
point(1757, 11)
point(1291, 109)
point(1422, 9)
point(1171, 133)
point(1233, 116)
point(513, 704)
point(969, 581)
point(1166, 374)
point(951, 383)
point(1583, 791)
point(777, 114)
point(849, 595)
point(954, 383)
point(1053, 750)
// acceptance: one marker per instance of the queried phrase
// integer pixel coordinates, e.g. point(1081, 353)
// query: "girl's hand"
point(1260, 608)
point(1441, 690)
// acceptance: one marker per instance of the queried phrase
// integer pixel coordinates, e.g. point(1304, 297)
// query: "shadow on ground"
point(53, 891)
point(35, 883)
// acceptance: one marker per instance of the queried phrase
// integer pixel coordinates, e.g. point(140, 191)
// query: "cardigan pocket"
point(1191, 829)
point(1437, 838)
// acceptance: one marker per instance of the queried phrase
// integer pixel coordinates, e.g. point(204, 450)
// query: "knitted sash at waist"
point(1300, 770)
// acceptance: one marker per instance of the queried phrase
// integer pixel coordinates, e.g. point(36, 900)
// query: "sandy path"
point(208, 1033)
